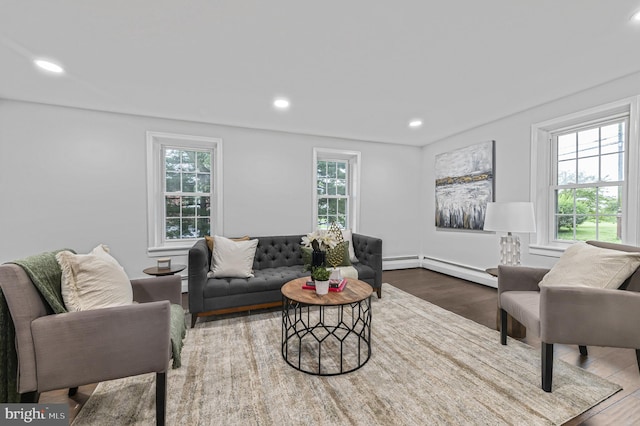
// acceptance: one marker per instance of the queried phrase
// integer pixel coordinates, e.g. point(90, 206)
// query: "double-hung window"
point(589, 177)
point(336, 178)
point(584, 177)
point(184, 189)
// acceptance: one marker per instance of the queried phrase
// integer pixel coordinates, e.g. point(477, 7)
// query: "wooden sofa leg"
point(503, 326)
point(583, 350)
point(161, 398)
point(379, 292)
point(73, 391)
point(547, 366)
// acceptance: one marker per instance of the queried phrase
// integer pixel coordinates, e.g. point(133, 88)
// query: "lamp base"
point(510, 250)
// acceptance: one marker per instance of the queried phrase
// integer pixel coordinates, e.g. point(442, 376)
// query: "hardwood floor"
point(478, 303)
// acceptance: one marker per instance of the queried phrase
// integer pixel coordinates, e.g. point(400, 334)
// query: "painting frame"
point(464, 184)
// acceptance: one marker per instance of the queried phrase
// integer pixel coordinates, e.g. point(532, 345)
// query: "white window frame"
point(156, 143)
point(542, 167)
point(353, 203)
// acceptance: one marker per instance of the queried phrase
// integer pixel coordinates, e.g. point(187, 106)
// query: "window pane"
point(172, 206)
point(172, 160)
point(342, 221)
point(566, 172)
point(331, 169)
point(188, 161)
point(342, 206)
point(341, 187)
point(567, 147)
point(333, 206)
point(321, 187)
point(188, 206)
point(188, 182)
point(331, 187)
point(612, 138)
point(203, 182)
point(322, 206)
point(612, 167)
point(588, 170)
point(204, 206)
point(589, 142)
point(587, 229)
point(173, 229)
point(189, 229)
point(564, 226)
point(172, 182)
point(204, 162)
point(322, 169)
point(342, 170)
point(610, 229)
point(204, 227)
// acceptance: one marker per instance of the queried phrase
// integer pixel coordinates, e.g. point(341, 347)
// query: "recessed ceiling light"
point(49, 66)
point(281, 103)
point(636, 16)
point(415, 123)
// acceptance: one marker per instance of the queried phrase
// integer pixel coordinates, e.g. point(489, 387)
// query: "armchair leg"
point(29, 397)
point(547, 366)
point(194, 318)
point(638, 358)
point(379, 292)
point(161, 398)
point(583, 350)
point(503, 326)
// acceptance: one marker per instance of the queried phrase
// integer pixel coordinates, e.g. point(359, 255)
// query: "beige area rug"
point(428, 366)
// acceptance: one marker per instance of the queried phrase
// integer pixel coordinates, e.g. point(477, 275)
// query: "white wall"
point(478, 250)
point(75, 178)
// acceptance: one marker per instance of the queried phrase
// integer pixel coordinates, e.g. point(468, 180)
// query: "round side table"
point(158, 272)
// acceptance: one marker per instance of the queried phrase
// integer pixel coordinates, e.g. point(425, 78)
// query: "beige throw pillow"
point(588, 266)
point(232, 259)
point(347, 236)
point(93, 281)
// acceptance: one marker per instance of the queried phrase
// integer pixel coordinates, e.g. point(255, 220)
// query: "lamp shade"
point(510, 217)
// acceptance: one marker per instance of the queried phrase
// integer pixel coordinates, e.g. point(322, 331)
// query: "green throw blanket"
point(46, 275)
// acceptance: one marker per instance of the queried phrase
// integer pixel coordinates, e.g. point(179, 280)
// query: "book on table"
point(334, 285)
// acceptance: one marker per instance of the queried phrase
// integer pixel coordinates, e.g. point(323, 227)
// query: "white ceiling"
point(352, 68)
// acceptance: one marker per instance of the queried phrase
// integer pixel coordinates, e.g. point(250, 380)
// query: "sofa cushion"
point(232, 259)
point(524, 306)
point(93, 281)
point(273, 252)
point(263, 280)
point(588, 266)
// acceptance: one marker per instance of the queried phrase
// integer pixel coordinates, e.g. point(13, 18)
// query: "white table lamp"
point(510, 217)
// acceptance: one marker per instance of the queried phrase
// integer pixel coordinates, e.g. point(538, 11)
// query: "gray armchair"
point(582, 316)
point(57, 351)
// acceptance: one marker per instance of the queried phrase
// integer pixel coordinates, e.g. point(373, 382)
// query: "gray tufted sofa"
point(278, 260)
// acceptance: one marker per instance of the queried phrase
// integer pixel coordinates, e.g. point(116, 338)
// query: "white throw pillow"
point(588, 266)
point(93, 281)
point(232, 259)
point(346, 235)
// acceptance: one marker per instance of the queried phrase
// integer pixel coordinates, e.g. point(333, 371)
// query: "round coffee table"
point(326, 335)
point(158, 272)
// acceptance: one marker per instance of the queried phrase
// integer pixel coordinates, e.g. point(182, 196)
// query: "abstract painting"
point(464, 186)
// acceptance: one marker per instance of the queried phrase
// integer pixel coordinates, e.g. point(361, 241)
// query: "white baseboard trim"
point(465, 272)
point(404, 262)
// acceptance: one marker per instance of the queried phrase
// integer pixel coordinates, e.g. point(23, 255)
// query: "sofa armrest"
point(155, 289)
point(519, 278)
point(199, 258)
point(368, 250)
point(590, 316)
point(84, 347)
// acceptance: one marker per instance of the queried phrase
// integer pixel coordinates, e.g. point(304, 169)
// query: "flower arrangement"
point(320, 240)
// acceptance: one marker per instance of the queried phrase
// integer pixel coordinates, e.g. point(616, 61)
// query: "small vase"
point(322, 287)
point(317, 258)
